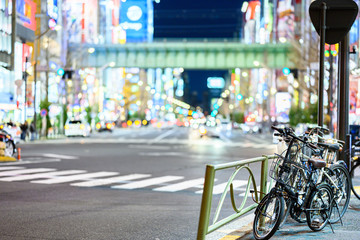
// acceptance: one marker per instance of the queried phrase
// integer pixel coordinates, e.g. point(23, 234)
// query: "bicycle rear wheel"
point(319, 207)
point(268, 216)
point(355, 180)
point(341, 192)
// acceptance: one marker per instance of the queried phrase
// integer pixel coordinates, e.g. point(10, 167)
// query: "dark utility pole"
point(320, 119)
point(344, 103)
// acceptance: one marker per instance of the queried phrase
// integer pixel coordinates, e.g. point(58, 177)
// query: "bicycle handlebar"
point(287, 132)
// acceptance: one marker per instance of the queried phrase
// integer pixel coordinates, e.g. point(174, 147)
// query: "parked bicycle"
point(297, 181)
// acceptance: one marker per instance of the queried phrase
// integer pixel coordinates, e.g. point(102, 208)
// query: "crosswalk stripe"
point(40, 175)
point(218, 189)
point(10, 168)
point(51, 155)
point(30, 170)
point(76, 177)
point(148, 182)
point(105, 181)
point(181, 186)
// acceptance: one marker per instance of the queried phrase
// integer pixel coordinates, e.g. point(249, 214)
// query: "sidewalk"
point(292, 230)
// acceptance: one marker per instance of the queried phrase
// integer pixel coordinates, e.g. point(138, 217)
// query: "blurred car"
point(12, 130)
point(105, 126)
point(77, 128)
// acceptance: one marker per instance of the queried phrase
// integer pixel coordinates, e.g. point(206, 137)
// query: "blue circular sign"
point(43, 112)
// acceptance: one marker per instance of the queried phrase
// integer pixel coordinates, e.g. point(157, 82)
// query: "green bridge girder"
point(186, 54)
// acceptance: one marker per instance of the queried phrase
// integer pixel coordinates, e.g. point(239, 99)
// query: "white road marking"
point(148, 182)
point(105, 181)
point(10, 168)
point(76, 177)
point(181, 186)
point(51, 155)
point(30, 170)
point(149, 146)
point(40, 175)
point(219, 189)
point(164, 135)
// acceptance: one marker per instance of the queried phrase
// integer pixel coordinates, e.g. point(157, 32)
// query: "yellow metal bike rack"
point(204, 228)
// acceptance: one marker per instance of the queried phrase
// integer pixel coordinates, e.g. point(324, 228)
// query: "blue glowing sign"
point(135, 16)
point(215, 82)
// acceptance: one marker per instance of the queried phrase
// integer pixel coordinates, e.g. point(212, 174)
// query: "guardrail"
point(204, 228)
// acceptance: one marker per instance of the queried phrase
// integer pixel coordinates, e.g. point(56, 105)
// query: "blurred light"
point(239, 97)
point(266, 93)
point(66, 126)
point(144, 122)
point(91, 50)
point(82, 126)
point(273, 90)
point(296, 84)
point(152, 91)
point(227, 92)
point(256, 63)
point(251, 99)
point(129, 123)
point(286, 71)
point(223, 95)
point(147, 88)
point(282, 39)
point(60, 72)
point(306, 79)
point(140, 83)
point(231, 106)
point(244, 74)
point(137, 122)
point(244, 7)
point(112, 64)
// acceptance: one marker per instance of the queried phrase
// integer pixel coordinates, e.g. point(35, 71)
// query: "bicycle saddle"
point(334, 147)
point(317, 162)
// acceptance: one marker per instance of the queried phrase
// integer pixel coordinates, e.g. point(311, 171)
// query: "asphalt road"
point(129, 184)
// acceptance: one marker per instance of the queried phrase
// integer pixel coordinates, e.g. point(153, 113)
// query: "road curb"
point(238, 234)
point(7, 159)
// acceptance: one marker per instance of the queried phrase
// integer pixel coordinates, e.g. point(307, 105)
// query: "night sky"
point(198, 19)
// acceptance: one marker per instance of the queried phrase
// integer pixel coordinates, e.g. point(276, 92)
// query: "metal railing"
point(204, 228)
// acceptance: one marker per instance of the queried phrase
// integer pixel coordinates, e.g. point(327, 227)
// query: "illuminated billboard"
point(26, 13)
point(215, 82)
point(136, 18)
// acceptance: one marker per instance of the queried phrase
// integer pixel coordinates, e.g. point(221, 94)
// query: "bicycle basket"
point(279, 169)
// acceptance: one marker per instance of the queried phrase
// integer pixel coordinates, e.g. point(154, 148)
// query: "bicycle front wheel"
point(319, 207)
point(355, 185)
point(268, 216)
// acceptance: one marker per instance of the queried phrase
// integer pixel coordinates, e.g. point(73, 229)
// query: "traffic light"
point(331, 49)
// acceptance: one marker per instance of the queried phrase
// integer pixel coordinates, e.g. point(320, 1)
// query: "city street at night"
point(129, 184)
point(179, 120)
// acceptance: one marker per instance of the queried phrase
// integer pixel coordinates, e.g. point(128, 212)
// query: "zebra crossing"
point(112, 180)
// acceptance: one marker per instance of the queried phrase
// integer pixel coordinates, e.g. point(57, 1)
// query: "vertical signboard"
point(134, 19)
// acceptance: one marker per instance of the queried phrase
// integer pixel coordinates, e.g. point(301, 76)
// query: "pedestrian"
point(32, 131)
point(24, 128)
